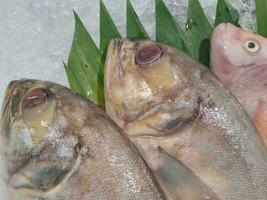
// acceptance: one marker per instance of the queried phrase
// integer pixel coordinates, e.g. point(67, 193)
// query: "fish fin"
point(180, 181)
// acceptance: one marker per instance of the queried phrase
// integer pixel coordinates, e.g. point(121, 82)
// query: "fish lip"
point(111, 69)
point(218, 38)
point(8, 94)
point(11, 93)
point(113, 52)
point(219, 32)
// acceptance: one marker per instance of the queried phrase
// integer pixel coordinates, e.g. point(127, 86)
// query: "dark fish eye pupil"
point(35, 98)
point(148, 54)
point(251, 45)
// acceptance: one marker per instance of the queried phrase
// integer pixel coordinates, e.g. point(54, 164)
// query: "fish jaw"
point(10, 90)
point(217, 47)
point(8, 93)
point(112, 61)
point(112, 72)
point(221, 64)
point(115, 79)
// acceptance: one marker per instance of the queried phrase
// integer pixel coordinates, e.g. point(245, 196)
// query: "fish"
point(239, 59)
point(175, 110)
point(56, 144)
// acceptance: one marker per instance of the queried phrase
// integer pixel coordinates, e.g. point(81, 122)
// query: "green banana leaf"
point(84, 69)
point(261, 12)
point(197, 30)
point(134, 29)
point(108, 29)
point(168, 31)
point(226, 13)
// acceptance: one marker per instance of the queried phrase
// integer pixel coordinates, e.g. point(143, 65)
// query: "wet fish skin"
point(170, 101)
point(57, 145)
point(243, 70)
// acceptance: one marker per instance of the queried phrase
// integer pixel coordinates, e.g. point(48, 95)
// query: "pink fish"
point(239, 59)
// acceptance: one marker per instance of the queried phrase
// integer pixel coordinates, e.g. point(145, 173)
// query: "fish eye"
point(252, 46)
point(34, 98)
point(148, 54)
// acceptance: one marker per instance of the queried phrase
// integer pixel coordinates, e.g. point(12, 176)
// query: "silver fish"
point(57, 145)
point(167, 102)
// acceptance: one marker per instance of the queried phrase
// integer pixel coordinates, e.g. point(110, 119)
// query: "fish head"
point(147, 87)
point(234, 51)
point(55, 144)
point(37, 145)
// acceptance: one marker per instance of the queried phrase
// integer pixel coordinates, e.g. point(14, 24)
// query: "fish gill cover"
point(85, 66)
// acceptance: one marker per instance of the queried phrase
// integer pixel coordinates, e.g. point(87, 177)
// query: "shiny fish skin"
point(59, 146)
point(243, 70)
point(163, 99)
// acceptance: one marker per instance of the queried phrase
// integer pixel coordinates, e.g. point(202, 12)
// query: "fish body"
point(57, 145)
point(239, 59)
point(167, 102)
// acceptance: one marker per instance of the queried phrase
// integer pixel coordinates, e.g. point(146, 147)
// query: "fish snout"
point(112, 66)
point(218, 35)
point(12, 83)
point(7, 95)
point(13, 94)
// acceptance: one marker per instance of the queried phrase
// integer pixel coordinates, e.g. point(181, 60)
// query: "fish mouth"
point(113, 66)
point(222, 32)
point(11, 90)
point(219, 43)
point(8, 94)
point(219, 32)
